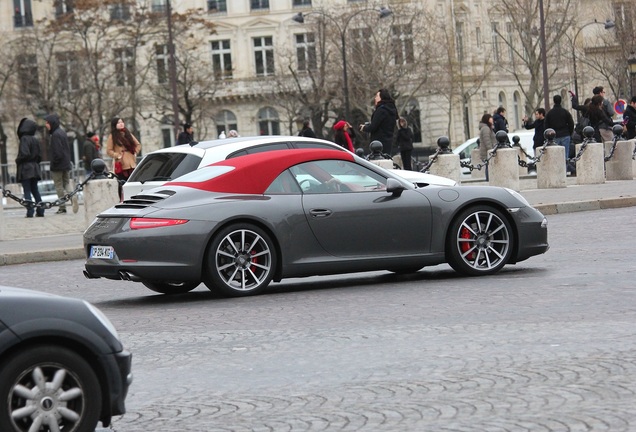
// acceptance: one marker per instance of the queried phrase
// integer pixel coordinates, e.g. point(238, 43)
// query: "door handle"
point(320, 213)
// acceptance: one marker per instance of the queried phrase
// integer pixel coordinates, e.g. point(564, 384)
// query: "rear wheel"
point(241, 261)
point(480, 241)
point(171, 287)
point(48, 388)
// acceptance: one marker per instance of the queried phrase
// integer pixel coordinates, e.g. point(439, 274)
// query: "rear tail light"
point(141, 223)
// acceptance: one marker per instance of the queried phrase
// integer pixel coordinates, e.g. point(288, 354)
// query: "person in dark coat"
point(383, 120)
point(560, 119)
point(89, 152)
point(187, 136)
point(60, 160)
point(28, 164)
point(307, 131)
point(629, 119)
point(499, 120)
point(538, 125)
point(596, 115)
point(404, 142)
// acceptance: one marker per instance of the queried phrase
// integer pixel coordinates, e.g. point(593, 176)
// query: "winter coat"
point(560, 119)
point(404, 138)
point(89, 153)
point(58, 141)
point(185, 138)
point(128, 160)
point(487, 140)
point(382, 125)
point(629, 120)
point(499, 123)
point(28, 160)
point(539, 128)
point(307, 132)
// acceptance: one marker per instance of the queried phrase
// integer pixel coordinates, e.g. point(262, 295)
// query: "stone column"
point(474, 161)
point(620, 166)
point(590, 169)
point(551, 168)
point(99, 195)
point(447, 165)
point(503, 169)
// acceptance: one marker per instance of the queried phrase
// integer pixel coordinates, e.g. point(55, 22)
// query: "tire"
point(69, 395)
point(480, 241)
point(240, 261)
point(171, 287)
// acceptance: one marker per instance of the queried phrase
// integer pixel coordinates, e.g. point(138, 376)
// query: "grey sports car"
point(240, 223)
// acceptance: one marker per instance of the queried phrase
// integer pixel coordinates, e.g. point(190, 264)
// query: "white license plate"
point(102, 252)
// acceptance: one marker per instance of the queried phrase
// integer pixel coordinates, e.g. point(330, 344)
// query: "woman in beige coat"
point(487, 138)
point(123, 147)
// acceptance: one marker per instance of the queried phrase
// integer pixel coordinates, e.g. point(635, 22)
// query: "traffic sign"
point(620, 105)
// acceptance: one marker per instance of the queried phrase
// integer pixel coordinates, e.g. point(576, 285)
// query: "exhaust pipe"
point(128, 276)
point(87, 275)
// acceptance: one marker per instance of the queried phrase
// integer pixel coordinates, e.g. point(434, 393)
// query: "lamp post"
point(383, 12)
point(544, 57)
point(631, 62)
point(172, 71)
point(608, 24)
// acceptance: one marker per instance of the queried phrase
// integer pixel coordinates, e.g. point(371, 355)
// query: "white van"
point(525, 140)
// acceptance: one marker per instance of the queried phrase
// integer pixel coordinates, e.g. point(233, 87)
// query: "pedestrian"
point(538, 125)
point(487, 139)
point(404, 142)
point(28, 165)
point(233, 134)
point(123, 147)
point(605, 129)
point(90, 152)
point(560, 119)
point(500, 122)
point(383, 119)
point(629, 119)
point(583, 120)
point(60, 161)
point(598, 117)
point(342, 136)
point(306, 130)
point(187, 136)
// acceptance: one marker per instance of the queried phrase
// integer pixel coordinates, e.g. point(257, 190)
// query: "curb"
point(578, 206)
point(42, 256)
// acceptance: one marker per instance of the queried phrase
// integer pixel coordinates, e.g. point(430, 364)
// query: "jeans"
point(62, 181)
point(30, 186)
point(565, 142)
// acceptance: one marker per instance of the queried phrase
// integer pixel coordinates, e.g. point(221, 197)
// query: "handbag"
point(117, 167)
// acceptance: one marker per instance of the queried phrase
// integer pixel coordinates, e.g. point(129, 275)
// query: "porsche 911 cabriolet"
point(239, 224)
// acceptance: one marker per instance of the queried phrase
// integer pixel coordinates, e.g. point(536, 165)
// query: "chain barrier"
point(431, 161)
point(479, 166)
point(47, 205)
point(611, 153)
point(586, 141)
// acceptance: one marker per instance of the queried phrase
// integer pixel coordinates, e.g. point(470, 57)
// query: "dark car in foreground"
point(238, 224)
point(62, 365)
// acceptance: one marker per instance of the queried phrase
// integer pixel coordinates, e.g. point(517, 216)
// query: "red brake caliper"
point(465, 246)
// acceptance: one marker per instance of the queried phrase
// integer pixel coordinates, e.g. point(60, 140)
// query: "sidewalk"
point(59, 237)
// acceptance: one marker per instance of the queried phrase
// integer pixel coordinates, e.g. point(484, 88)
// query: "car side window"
point(284, 184)
point(317, 145)
point(260, 149)
point(336, 176)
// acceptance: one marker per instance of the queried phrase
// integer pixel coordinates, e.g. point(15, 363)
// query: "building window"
point(264, 56)
point(459, 29)
point(225, 122)
point(217, 5)
point(268, 123)
point(158, 6)
point(221, 59)
point(260, 4)
point(402, 38)
point(511, 42)
point(495, 43)
point(23, 17)
point(124, 67)
point(306, 51)
point(28, 75)
point(63, 7)
point(167, 135)
point(360, 43)
point(478, 37)
point(297, 3)
point(120, 12)
point(67, 71)
point(162, 58)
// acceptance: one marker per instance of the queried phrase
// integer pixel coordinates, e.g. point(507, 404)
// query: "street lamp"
point(383, 12)
point(544, 57)
point(631, 62)
point(172, 70)
point(608, 24)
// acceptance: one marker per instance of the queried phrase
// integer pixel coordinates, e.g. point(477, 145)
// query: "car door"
point(351, 214)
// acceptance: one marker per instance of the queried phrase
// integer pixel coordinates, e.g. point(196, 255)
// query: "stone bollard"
point(503, 169)
point(474, 161)
point(590, 168)
point(551, 168)
point(620, 166)
point(100, 193)
point(384, 163)
point(447, 163)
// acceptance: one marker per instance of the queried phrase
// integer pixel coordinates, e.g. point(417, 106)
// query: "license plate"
point(102, 252)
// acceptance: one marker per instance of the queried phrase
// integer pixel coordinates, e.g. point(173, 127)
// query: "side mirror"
point(394, 187)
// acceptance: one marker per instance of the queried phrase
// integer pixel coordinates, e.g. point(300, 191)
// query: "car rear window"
point(164, 167)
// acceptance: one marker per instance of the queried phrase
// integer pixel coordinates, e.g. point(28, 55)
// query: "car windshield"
point(164, 166)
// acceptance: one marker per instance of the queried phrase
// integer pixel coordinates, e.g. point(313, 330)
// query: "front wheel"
point(480, 241)
point(171, 287)
point(241, 261)
point(48, 388)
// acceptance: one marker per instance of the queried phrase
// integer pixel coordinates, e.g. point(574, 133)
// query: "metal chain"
point(533, 160)
point(480, 165)
point(431, 161)
point(47, 205)
point(614, 142)
point(584, 144)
